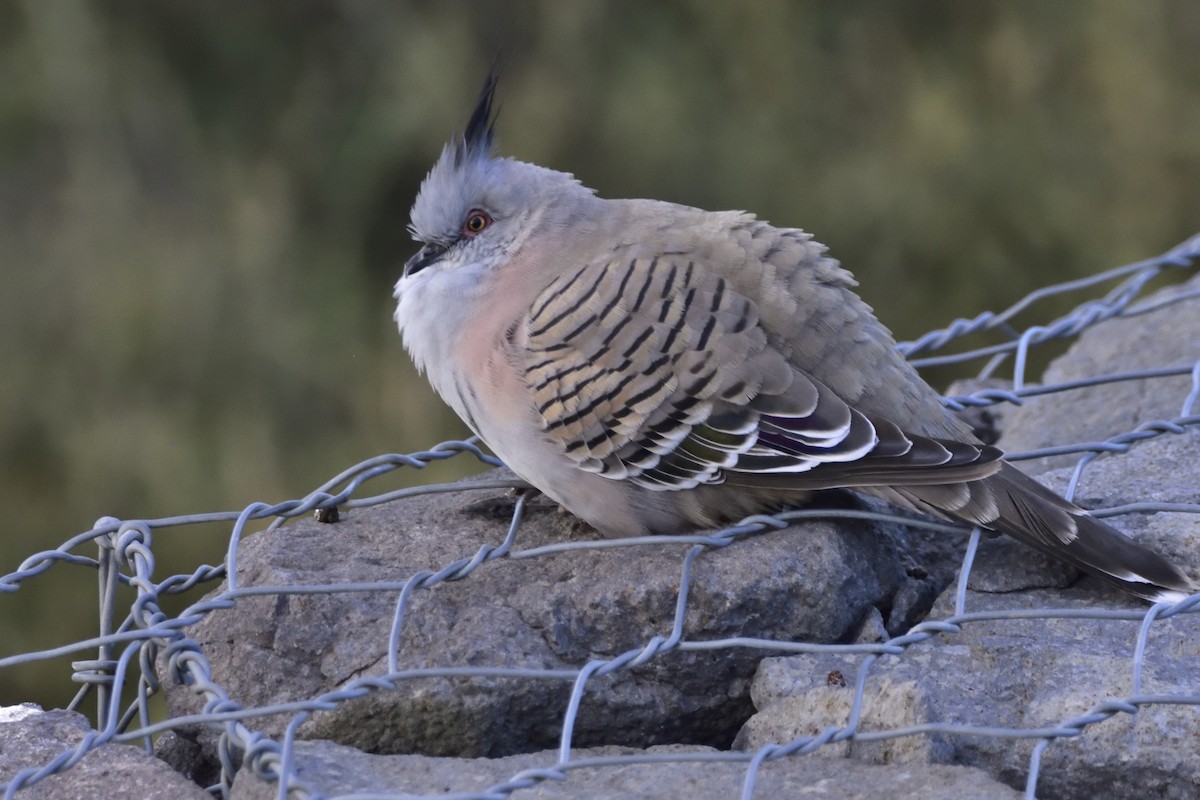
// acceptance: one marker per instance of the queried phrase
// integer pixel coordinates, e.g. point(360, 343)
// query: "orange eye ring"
point(475, 222)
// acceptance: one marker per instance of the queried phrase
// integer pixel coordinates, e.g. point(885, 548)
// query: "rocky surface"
point(558, 611)
point(1168, 337)
point(1008, 673)
point(31, 738)
point(332, 768)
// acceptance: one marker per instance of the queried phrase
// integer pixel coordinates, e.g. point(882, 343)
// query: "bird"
point(656, 368)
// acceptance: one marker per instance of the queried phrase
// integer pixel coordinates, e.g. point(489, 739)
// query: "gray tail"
point(1011, 502)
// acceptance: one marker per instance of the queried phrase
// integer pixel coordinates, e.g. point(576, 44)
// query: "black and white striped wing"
point(656, 371)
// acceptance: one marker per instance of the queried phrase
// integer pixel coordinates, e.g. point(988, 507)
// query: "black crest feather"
point(481, 128)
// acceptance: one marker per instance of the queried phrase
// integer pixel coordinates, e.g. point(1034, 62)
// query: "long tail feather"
point(1013, 503)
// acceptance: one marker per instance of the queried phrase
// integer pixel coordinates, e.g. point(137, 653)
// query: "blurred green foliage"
point(203, 206)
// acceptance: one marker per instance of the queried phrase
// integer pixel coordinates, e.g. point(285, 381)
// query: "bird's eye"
point(475, 222)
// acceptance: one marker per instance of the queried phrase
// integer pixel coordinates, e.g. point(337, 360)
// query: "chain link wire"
point(131, 639)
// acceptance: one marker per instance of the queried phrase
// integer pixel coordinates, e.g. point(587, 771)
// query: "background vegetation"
point(202, 206)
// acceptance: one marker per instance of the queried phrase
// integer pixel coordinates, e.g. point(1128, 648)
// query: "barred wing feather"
point(656, 371)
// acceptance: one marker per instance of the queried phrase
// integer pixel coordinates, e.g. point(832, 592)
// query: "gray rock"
point(33, 738)
point(557, 611)
point(872, 629)
point(911, 604)
point(1155, 470)
point(931, 559)
point(335, 769)
point(1009, 673)
point(1168, 337)
point(183, 752)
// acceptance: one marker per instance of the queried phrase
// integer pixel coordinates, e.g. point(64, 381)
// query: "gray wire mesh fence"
point(131, 639)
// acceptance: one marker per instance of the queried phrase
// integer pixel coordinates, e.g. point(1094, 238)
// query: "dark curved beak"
point(424, 257)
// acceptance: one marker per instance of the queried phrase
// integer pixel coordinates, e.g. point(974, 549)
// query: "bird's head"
point(475, 209)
